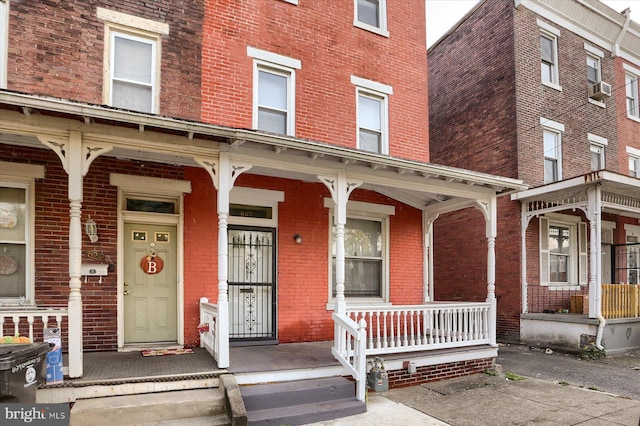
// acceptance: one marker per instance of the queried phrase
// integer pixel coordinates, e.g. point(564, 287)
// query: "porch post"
point(427, 272)
point(595, 248)
point(224, 175)
point(524, 224)
point(492, 231)
point(340, 189)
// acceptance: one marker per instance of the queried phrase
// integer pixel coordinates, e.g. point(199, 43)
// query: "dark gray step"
point(148, 408)
point(307, 413)
point(284, 394)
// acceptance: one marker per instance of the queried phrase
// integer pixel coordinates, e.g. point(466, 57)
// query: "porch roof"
point(418, 184)
point(618, 194)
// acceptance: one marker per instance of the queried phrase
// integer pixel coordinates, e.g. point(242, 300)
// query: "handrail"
point(31, 313)
point(208, 328)
point(350, 350)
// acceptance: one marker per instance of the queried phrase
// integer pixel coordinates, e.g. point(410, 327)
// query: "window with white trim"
point(273, 91)
point(597, 146)
point(631, 89)
point(4, 41)
point(372, 115)
point(366, 240)
point(549, 72)
point(563, 250)
point(634, 161)
point(371, 15)
point(593, 69)
point(17, 246)
point(132, 61)
point(552, 155)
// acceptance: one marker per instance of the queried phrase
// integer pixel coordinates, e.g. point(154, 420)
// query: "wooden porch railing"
point(350, 350)
point(23, 319)
point(423, 327)
point(208, 328)
point(620, 300)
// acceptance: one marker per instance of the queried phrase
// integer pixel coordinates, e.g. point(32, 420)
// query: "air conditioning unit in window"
point(599, 91)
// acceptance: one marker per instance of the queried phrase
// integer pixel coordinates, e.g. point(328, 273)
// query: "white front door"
point(150, 283)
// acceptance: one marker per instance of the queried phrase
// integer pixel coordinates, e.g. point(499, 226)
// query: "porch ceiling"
point(149, 137)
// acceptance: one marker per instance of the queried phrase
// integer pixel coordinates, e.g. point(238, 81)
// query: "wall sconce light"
point(297, 238)
point(91, 228)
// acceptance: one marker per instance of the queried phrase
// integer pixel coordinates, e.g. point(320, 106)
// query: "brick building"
point(545, 92)
point(270, 156)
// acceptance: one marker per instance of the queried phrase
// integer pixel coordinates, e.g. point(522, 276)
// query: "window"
point(4, 41)
point(17, 246)
point(634, 161)
point(563, 250)
point(596, 147)
point(363, 248)
point(552, 152)
point(631, 86)
point(549, 54)
point(132, 61)
point(593, 69)
point(372, 115)
point(371, 15)
point(273, 92)
point(366, 237)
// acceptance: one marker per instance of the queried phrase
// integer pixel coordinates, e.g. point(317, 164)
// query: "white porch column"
point(224, 175)
point(489, 208)
point(340, 189)
point(594, 215)
point(427, 273)
point(76, 158)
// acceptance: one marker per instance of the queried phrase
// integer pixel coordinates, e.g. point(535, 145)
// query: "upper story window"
point(552, 143)
point(132, 61)
point(597, 145)
point(372, 115)
point(549, 55)
point(273, 91)
point(593, 69)
point(631, 89)
point(17, 246)
point(371, 15)
point(4, 41)
point(634, 161)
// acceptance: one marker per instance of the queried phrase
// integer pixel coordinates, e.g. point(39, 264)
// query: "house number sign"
point(152, 264)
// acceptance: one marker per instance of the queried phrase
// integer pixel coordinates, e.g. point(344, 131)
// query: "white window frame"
point(378, 91)
point(138, 29)
point(367, 211)
point(634, 162)
point(597, 144)
point(555, 128)
point(4, 42)
point(291, 1)
point(551, 33)
point(382, 18)
point(23, 176)
point(577, 269)
point(280, 65)
point(632, 92)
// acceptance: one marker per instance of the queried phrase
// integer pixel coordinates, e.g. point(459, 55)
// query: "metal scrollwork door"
point(252, 287)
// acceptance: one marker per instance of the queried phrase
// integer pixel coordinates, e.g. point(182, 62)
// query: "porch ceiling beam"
point(402, 196)
point(449, 206)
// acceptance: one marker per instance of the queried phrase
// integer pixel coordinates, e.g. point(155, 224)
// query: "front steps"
point(194, 407)
point(301, 402)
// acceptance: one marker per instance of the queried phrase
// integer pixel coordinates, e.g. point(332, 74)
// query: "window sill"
point(634, 118)
point(560, 287)
point(378, 303)
point(380, 31)
point(552, 86)
point(600, 104)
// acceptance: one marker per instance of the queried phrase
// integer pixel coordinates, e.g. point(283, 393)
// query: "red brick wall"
point(331, 50)
point(56, 49)
point(433, 373)
point(628, 129)
point(303, 269)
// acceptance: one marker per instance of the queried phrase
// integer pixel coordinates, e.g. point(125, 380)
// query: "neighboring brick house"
point(271, 156)
point(545, 92)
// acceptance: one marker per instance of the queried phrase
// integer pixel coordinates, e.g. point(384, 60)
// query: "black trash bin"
point(22, 369)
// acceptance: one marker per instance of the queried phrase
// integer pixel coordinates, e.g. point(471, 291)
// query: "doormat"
point(160, 352)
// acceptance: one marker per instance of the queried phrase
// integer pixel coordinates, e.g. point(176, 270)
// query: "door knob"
point(126, 292)
point(126, 283)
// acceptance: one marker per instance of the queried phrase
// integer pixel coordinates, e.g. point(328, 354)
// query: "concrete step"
point(301, 401)
point(151, 408)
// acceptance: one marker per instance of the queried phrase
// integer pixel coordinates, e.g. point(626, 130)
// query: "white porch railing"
point(349, 349)
point(25, 318)
point(208, 328)
point(423, 327)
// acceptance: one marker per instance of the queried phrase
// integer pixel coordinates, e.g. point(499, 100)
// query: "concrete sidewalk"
point(495, 400)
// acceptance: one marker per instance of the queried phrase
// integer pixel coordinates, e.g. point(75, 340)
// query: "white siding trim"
point(133, 21)
point(274, 58)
